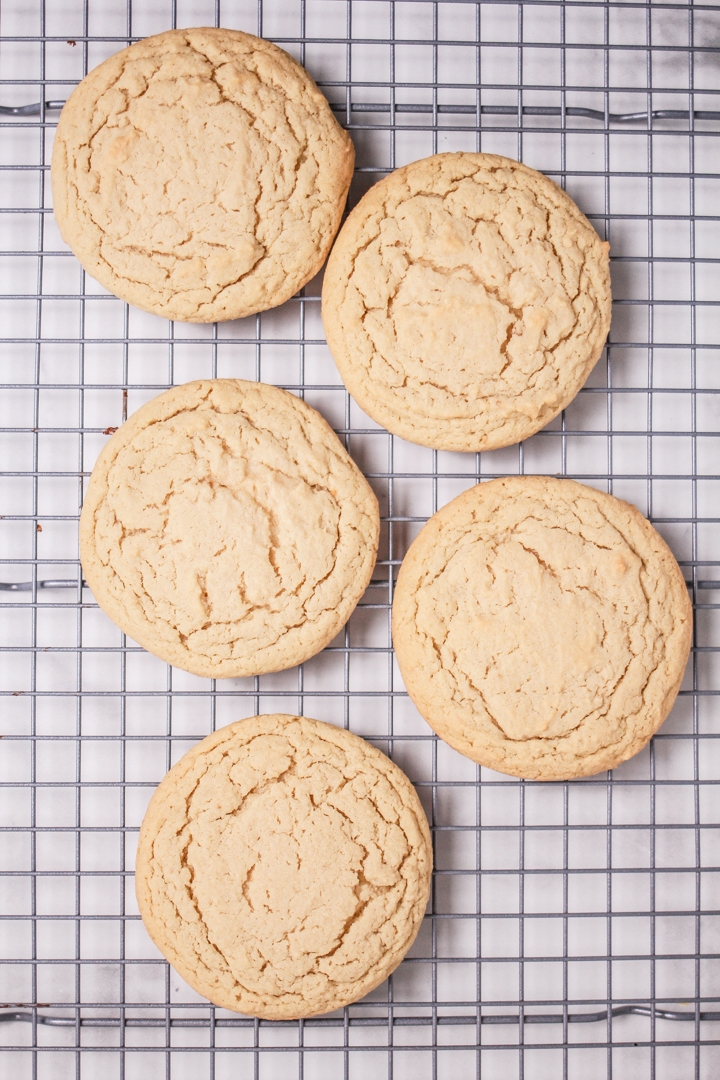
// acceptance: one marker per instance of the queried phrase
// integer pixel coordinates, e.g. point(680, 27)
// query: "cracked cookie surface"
point(541, 627)
point(226, 529)
point(284, 867)
point(200, 174)
point(466, 301)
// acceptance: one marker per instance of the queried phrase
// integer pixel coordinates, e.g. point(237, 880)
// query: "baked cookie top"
point(465, 301)
point(226, 529)
point(284, 867)
point(542, 628)
point(200, 174)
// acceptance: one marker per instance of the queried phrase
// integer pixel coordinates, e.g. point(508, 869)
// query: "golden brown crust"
point(200, 174)
point(227, 530)
point(284, 867)
point(465, 301)
point(542, 627)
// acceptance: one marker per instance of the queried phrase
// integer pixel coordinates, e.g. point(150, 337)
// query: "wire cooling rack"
point(574, 928)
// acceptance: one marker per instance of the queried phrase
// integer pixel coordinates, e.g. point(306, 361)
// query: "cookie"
point(542, 628)
point(200, 174)
point(466, 301)
point(284, 867)
point(227, 530)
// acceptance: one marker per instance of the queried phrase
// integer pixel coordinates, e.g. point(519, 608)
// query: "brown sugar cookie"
point(542, 628)
point(200, 174)
point(465, 301)
point(227, 530)
point(284, 867)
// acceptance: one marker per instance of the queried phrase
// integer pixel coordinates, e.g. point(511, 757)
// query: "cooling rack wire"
point(574, 928)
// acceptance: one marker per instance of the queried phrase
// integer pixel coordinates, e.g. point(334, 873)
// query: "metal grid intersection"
point(597, 951)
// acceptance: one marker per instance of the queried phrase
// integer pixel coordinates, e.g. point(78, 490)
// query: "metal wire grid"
point(599, 899)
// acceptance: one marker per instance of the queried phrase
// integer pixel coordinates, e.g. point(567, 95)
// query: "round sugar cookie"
point(542, 628)
point(465, 301)
point(227, 530)
point(200, 174)
point(284, 867)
